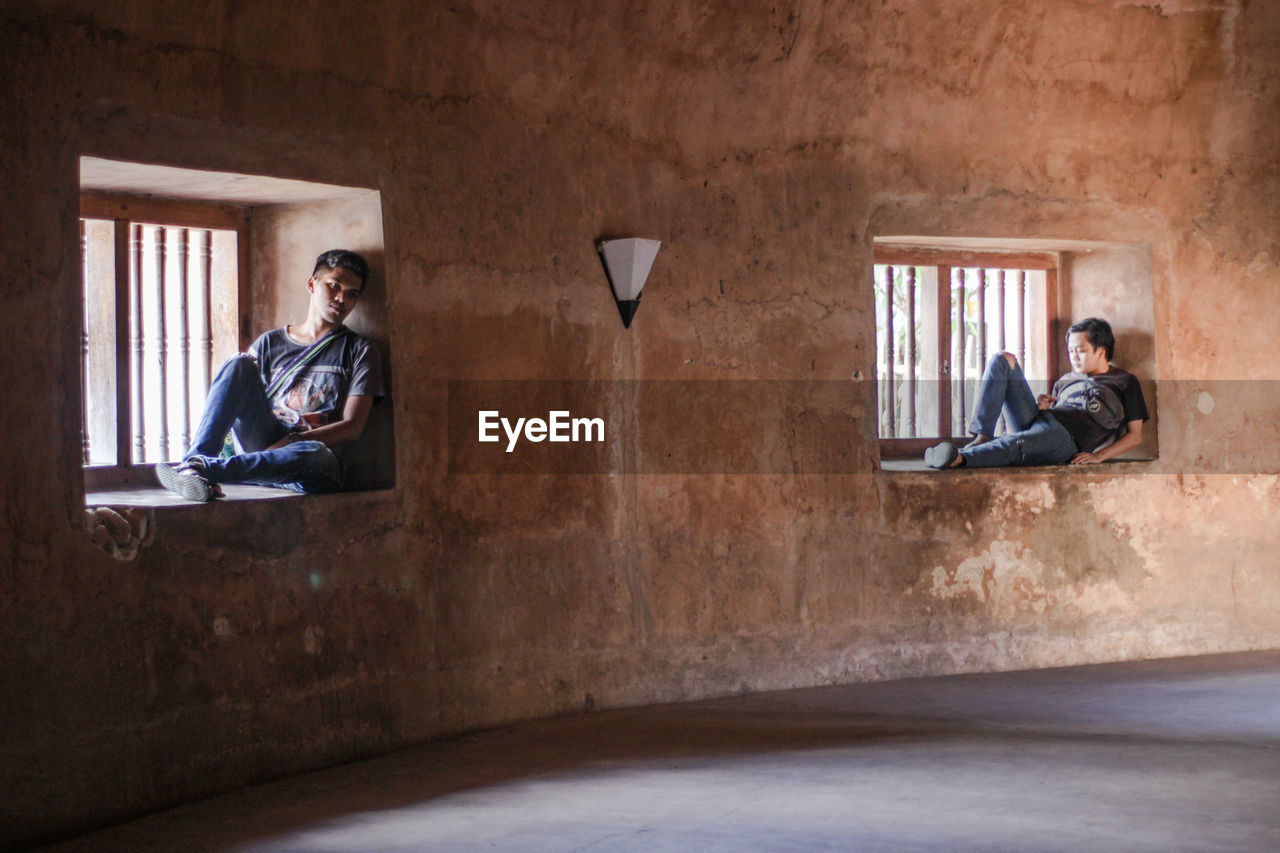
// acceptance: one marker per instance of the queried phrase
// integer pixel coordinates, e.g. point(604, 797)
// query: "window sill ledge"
point(912, 466)
point(143, 495)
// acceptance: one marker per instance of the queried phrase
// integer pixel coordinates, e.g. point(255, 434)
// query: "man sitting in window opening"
point(300, 392)
point(1093, 414)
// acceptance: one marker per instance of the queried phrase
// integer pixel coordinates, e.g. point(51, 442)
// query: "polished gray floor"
point(1160, 756)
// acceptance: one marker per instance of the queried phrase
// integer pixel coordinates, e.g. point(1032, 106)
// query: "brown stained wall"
point(765, 145)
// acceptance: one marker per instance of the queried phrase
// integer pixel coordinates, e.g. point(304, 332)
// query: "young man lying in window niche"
point(289, 403)
point(1094, 413)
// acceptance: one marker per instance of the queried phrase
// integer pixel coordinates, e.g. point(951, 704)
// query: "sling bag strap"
point(286, 377)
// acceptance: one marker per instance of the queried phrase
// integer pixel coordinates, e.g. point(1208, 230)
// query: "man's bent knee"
point(993, 363)
point(240, 363)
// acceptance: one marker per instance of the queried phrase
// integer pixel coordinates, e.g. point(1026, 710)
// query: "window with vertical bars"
point(162, 309)
point(940, 315)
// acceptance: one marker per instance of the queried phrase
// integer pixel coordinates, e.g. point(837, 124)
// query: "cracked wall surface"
point(765, 146)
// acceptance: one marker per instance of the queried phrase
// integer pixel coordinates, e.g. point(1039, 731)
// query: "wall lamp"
point(626, 264)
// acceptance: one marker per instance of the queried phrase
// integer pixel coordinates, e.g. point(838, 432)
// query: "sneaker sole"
point(190, 487)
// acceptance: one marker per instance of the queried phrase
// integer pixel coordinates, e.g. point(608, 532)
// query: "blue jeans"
point(238, 400)
point(1034, 437)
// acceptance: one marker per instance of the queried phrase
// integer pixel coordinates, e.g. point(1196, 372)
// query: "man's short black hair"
point(1099, 334)
point(335, 258)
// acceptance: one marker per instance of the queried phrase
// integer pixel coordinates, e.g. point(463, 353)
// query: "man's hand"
point(1045, 401)
point(354, 415)
point(1131, 438)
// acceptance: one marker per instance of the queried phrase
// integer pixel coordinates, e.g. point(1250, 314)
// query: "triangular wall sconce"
point(627, 264)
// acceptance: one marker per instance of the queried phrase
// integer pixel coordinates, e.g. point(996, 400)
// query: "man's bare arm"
point(354, 415)
point(1132, 438)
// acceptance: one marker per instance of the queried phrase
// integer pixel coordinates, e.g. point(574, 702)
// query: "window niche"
point(256, 267)
point(942, 304)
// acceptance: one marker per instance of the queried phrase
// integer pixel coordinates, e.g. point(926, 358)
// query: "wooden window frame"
point(946, 260)
point(125, 211)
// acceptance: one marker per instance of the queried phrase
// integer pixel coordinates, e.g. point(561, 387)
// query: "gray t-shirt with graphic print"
point(347, 366)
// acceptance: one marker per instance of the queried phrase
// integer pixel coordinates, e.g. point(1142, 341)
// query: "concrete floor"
point(1165, 755)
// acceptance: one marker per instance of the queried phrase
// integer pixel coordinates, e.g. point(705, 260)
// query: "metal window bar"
point(122, 232)
point(890, 361)
point(203, 302)
point(912, 389)
point(1003, 276)
point(1000, 309)
point(962, 349)
point(980, 332)
point(136, 345)
point(1022, 316)
point(184, 341)
point(162, 338)
point(982, 319)
point(84, 343)
point(881, 378)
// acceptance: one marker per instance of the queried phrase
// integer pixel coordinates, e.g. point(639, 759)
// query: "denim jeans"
point(1034, 437)
point(238, 401)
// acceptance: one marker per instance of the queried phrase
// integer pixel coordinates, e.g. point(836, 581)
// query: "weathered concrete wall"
point(765, 145)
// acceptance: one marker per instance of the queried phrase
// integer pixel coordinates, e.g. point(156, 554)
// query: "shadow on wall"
point(370, 459)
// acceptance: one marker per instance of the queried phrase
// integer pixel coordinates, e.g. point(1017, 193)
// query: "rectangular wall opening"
point(944, 305)
point(183, 268)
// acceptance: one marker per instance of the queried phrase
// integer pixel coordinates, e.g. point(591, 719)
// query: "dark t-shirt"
point(348, 366)
point(1087, 433)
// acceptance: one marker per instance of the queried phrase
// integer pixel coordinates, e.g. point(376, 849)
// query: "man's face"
point(1085, 357)
point(334, 293)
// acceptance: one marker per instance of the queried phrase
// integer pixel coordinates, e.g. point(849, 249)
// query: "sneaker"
point(197, 464)
point(186, 480)
point(941, 455)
